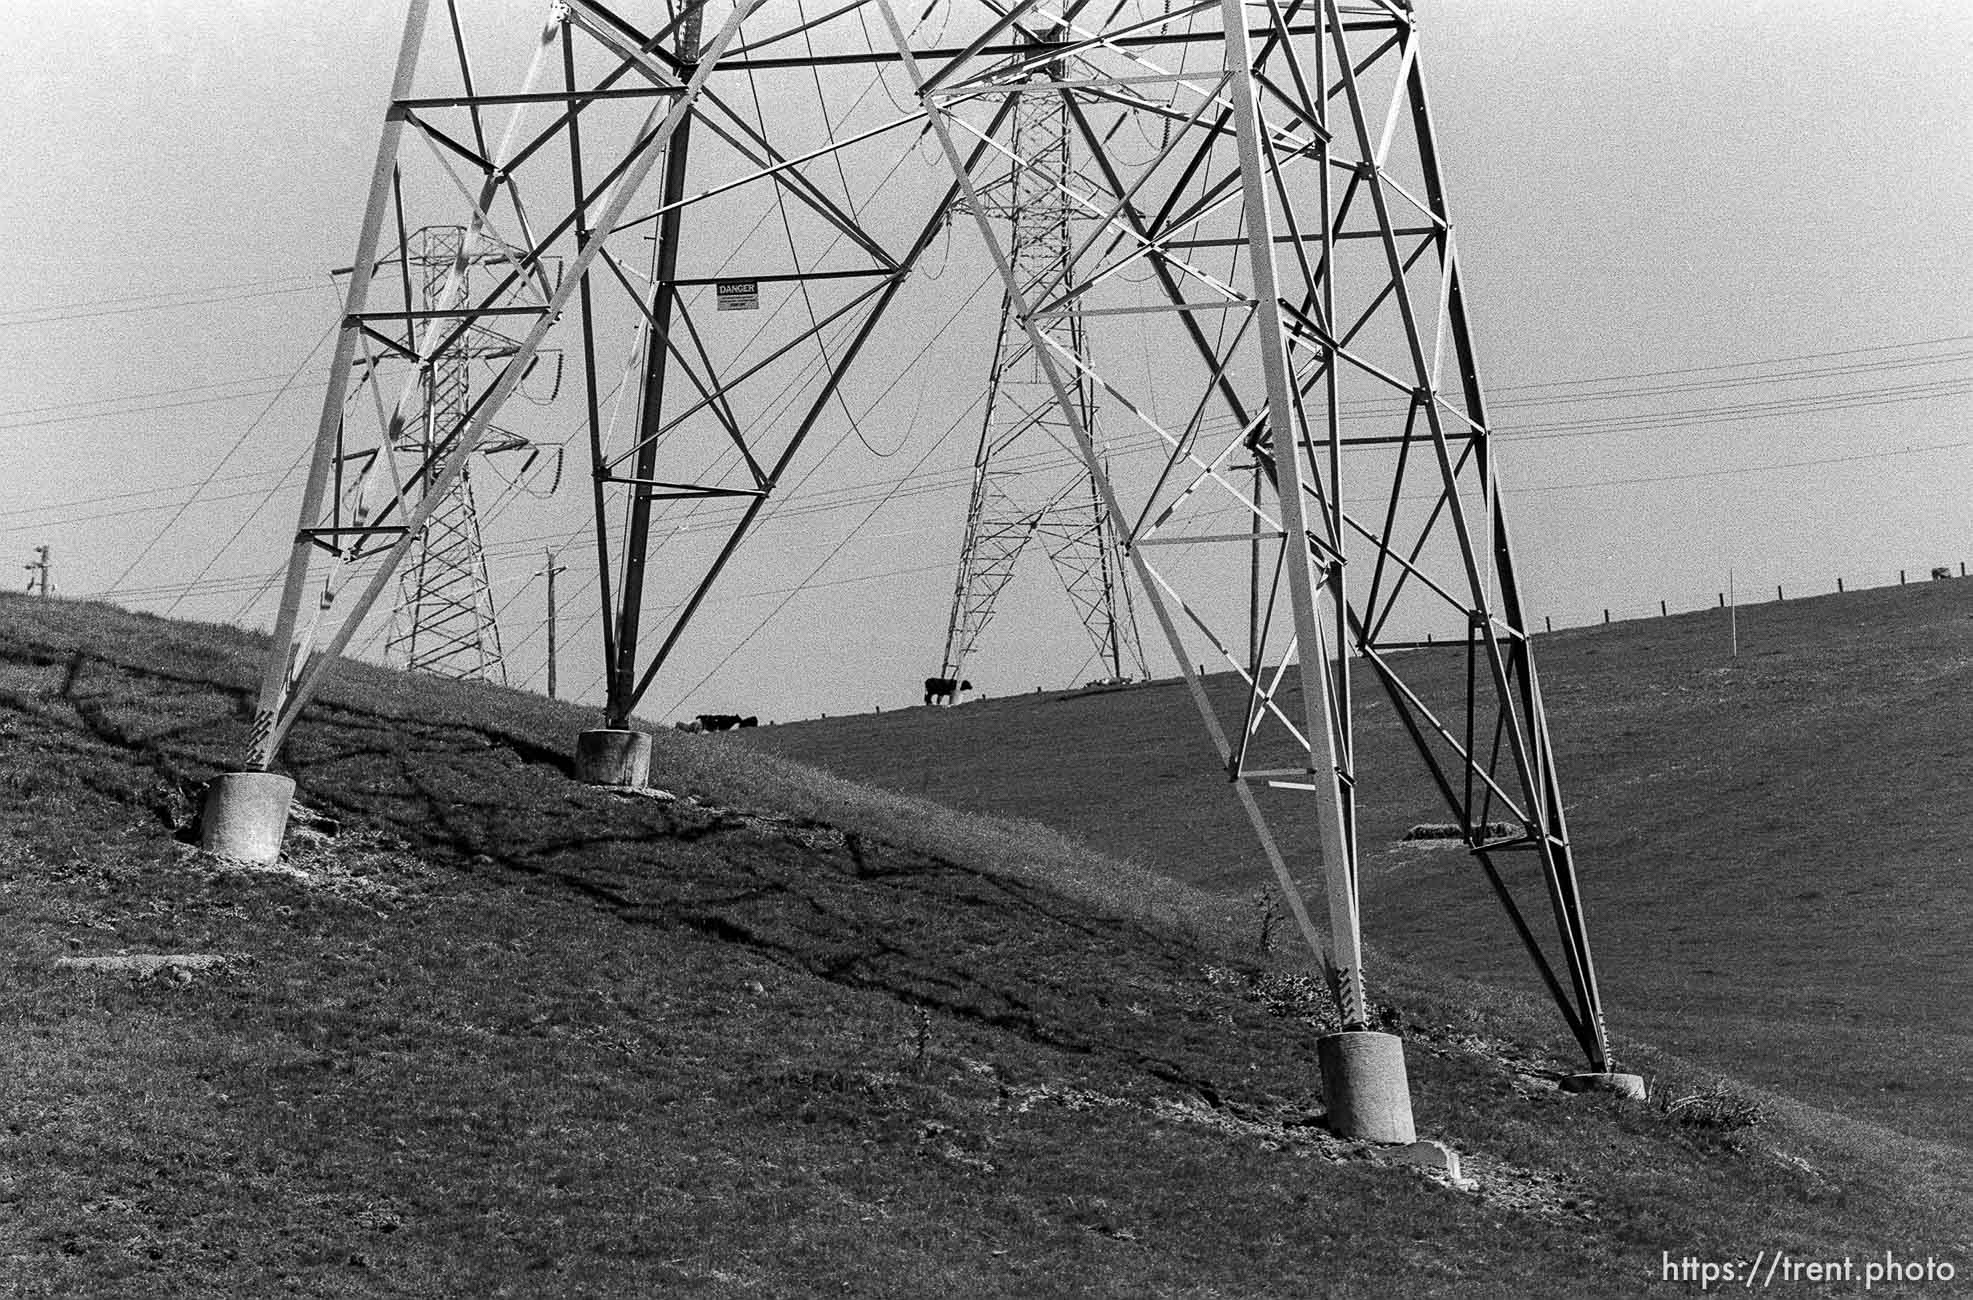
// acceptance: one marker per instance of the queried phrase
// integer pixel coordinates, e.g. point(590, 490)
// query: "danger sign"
point(737, 295)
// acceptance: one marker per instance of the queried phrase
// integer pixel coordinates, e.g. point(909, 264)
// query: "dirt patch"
point(151, 965)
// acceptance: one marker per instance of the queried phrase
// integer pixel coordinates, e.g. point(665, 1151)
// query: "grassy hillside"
point(1775, 848)
point(487, 1032)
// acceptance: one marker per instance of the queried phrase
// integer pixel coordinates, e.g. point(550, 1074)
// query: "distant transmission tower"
point(41, 573)
point(1030, 485)
point(444, 621)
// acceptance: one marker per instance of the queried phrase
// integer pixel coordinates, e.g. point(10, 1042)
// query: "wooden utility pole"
point(41, 573)
point(1732, 616)
point(553, 569)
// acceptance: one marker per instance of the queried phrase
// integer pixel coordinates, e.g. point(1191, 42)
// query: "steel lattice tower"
point(444, 622)
point(1030, 487)
point(1298, 458)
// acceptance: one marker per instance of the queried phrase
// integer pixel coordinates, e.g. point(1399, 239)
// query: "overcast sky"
point(1750, 219)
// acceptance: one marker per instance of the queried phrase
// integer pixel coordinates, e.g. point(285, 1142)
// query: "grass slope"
point(1774, 848)
point(494, 1033)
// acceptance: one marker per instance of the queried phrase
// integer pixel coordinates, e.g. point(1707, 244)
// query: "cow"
point(943, 690)
point(692, 726)
point(723, 721)
point(1941, 571)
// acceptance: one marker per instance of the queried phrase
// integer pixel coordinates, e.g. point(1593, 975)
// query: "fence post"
point(1547, 623)
point(1662, 611)
point(1839, 586)
point(1777, 592)
point(1901, 577)
point(1606, 616)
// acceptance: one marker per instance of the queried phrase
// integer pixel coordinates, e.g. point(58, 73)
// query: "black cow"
point(725, 721)
point(943, 690)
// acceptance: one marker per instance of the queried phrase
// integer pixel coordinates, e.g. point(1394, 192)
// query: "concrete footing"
point(608, 757)
point(1630, 1086)
point(1365, 1086)
point(245, 815)
point(1436, 1156)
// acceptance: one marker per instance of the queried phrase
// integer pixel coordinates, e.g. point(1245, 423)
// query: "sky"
point(1716, 257)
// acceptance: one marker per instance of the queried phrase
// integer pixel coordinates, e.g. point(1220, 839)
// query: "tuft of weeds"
point(1267, 907)
point(1452, 831)
point(921, 1040)
point(1716, 1108)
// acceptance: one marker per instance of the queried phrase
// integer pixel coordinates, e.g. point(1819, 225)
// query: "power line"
point(793, 506)
point(41, 316)
point(246, 519)
point(240, 581)
point(911, 485)
point(1571, 398)
point(266, 584)
point(134, 397)
point(1737, 381)
point(122, 496)
point(1741, 469)
point(168, 293)
point(239, 442)
point(1735, 365)
point(1806, 405)
point(113, 514)
point(218, 587)
point(157, 406)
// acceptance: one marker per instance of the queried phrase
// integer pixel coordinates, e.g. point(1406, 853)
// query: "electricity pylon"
point(1030, 486)
point(1259, 210)
point(41, 573)
point(445, 623)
